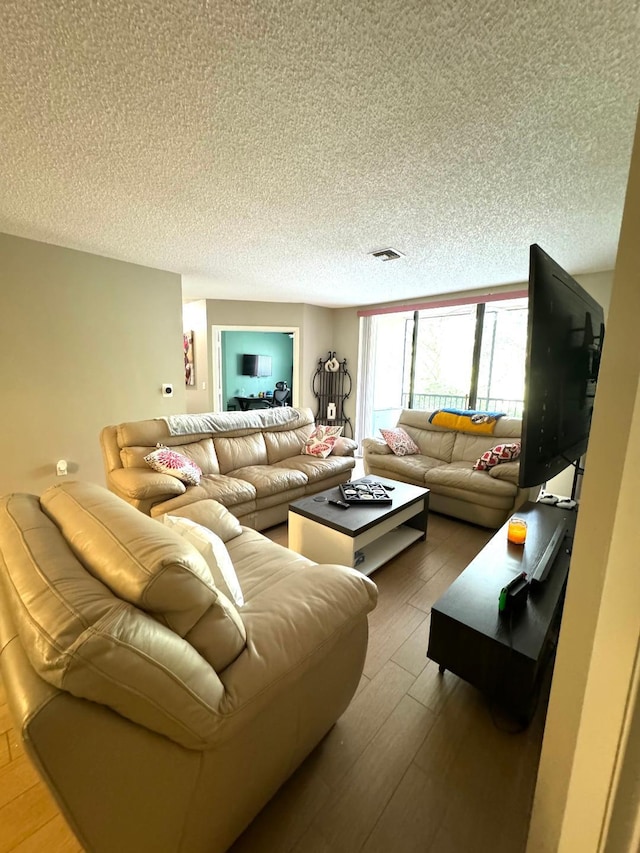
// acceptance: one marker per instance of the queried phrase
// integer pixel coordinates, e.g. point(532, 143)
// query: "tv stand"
point(504, 655)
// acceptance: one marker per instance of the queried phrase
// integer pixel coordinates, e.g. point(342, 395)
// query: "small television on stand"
point(564, 344)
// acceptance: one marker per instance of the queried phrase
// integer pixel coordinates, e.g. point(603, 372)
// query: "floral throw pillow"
point(167, 461)
point(321, 441)
point(400, 442)
point(496, 455)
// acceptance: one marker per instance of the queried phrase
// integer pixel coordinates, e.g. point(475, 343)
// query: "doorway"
point(280, 344)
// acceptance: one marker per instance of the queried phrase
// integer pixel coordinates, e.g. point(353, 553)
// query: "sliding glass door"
point(461, 356)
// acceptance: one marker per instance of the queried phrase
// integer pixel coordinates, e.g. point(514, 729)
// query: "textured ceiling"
point(263, 148)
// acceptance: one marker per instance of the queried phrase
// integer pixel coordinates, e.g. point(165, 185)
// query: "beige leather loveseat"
point(251, 462)
point(445, 463)
point(161, 715)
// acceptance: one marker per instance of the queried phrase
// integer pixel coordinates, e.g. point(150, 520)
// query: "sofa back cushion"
point(469, 448)
point(284, 444)
point(201, 452)
point(148, 565)
point(432, 441)
point(240, 451)
point(82, 638)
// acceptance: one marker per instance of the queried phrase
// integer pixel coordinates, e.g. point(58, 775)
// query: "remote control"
point(342, 504)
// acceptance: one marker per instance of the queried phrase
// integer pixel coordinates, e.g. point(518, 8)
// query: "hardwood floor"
point(419, 763)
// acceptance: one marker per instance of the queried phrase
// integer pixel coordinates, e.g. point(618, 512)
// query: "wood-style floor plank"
point(54, 837)
point(364, 717)
point(412, 654)
point(24, 815)
point(5, 755)
point(15, 778)
point(350, 815)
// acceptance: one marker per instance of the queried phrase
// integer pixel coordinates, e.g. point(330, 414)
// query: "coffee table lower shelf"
point(379, 544)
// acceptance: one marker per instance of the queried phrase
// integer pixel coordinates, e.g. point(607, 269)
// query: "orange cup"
point(517, 530)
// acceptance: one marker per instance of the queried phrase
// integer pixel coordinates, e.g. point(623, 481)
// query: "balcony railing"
point(451, 401)
point(387, 418)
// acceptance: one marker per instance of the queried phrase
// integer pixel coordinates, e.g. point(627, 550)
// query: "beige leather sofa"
point(251, 462)
point(445, 466)
point(161, 716)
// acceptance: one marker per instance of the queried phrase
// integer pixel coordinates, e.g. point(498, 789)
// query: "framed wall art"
point(189, 366)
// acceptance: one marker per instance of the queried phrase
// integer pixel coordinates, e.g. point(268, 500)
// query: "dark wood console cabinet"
point(504, 654)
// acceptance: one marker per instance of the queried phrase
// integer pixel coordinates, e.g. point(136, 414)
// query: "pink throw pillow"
point(400, 442)
point(167, 461)
point(321, 441)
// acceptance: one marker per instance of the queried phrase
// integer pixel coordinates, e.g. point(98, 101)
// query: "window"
point(461, 356)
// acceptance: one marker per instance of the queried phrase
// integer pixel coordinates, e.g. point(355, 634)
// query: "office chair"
point(281, 394)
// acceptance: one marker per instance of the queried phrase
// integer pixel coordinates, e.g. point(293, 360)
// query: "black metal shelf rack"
point(332, 386)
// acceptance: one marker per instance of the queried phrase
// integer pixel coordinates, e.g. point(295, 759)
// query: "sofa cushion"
point(147, 565)
point(240, 451)
point(229, 491)
point(407, 469)
point(316, 469)
point(212, 548)
point(261, 562)
point(83, 639)
point(461, 475)
point(214, 516)
point(509, 471)
point(201, 452)
point(286, 443)
point(433, 441)
point(469, 448)
point(399, 442)
point(270, 479)
point(168, 461)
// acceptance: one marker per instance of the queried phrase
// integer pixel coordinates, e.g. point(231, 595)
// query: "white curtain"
point(366, 380)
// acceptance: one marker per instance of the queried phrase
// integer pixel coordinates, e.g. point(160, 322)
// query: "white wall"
point(595, 683)
point(85, 341)
point(194, 318)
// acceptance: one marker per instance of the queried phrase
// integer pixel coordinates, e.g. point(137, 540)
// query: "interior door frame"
point(216, 359)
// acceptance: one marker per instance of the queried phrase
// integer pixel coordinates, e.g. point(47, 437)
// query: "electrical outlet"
point(167, 389)
point(61, 468)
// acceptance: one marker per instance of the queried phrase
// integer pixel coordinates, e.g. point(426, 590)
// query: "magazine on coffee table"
point(365, 493)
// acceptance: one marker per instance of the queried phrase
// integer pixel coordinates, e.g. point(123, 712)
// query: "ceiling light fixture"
point(388, 254)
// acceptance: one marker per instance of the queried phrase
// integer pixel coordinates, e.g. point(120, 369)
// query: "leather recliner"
point(160, 715)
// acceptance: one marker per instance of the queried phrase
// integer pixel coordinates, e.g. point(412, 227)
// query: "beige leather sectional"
point(161, 715)
point(251, 462)
point(445, 466)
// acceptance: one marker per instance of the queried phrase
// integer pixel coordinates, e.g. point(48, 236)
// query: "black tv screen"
point(256, 365)
point(564, 342)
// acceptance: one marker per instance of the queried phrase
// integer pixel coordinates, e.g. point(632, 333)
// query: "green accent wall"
point(278, 345)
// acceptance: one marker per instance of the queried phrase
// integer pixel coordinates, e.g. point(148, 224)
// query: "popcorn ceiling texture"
point(262, 148)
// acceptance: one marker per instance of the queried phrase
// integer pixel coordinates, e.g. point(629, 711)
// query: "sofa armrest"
point(291, 626)
point(140, 485)
point(344, 447)
point(506, 471)
point(375, 445)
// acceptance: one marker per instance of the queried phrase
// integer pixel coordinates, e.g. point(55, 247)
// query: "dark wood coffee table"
point(328, 534)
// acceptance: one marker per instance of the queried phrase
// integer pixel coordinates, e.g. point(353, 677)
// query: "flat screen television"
point(256, 365)
point(564, 343)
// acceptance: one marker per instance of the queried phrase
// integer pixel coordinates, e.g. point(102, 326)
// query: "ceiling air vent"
point(388, 254)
